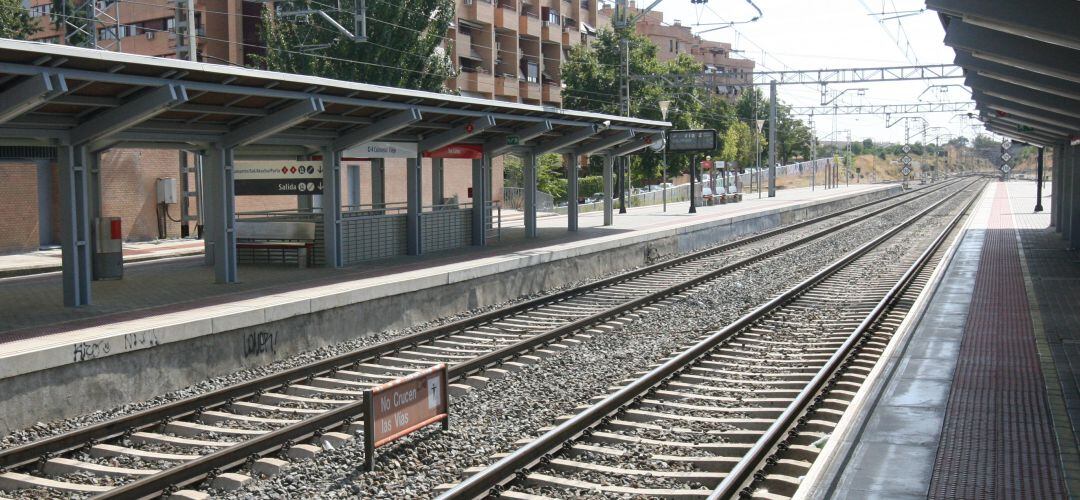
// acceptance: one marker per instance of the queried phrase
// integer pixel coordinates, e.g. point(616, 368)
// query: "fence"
point(370, 233)
point(514, 198)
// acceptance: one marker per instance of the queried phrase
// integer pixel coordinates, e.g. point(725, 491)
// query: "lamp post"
point(664, 105)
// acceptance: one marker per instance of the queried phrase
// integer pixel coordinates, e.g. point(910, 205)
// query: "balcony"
point(506, 86)
point(551, 32)
point(476, 81)
point(528, 90)
point(529, 25)
point(552, 93)
point(481, 11)
point(571, 37)
point(506, 18)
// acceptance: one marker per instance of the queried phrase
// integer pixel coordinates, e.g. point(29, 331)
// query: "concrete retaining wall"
point(145, 364)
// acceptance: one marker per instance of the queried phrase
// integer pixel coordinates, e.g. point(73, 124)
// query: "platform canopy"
point(53, 94)
point(1022, 62)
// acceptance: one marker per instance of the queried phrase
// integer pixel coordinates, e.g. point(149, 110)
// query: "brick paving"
point(1054, 288)
point(998, 439)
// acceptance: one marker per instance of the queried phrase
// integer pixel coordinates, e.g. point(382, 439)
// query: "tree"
point(868, 143)
point(549, 174)
point(403, 50)
point(591, 75)
point(15, 21)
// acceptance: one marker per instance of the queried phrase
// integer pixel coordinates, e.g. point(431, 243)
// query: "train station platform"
point(174, 327)
point(978, 395)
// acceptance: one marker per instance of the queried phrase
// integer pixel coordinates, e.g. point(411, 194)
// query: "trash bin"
point(109, 254)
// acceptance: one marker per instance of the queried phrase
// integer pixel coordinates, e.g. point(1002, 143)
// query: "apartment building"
point(227, 29)
point(674, 38)
point(513, 50)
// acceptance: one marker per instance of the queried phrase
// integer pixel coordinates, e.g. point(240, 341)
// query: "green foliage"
point(550, 176)
point(793, 137)
point(590, 184)
point(868, 143)
point(592, 78)
point(403, 50)
point(15, 21)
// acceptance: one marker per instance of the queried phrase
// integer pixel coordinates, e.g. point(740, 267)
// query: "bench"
point(277, 238)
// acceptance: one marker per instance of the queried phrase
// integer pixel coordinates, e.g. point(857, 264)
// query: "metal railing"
point(514, 198)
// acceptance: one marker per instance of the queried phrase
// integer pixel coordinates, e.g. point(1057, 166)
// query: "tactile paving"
point(998, 439)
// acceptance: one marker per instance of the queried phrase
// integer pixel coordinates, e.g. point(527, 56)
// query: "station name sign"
point(402, 406)
point(384, 149)
point(692, 140)
point(277, 177)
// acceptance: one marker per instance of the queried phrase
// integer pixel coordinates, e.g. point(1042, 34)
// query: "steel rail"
point(198, 470)
point(29, 453)
point(743, 472)
point(491, 479)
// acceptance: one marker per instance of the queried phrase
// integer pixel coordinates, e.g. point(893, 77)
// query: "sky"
point(819, 34)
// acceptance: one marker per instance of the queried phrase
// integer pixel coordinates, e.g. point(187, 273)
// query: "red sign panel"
point(463, 151)
point(402, 406)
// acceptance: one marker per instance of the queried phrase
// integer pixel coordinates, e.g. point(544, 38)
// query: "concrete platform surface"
point(915, 436)
point(48, 260)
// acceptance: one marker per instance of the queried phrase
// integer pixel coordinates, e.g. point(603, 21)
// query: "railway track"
point(297, 412)
point(743, 411)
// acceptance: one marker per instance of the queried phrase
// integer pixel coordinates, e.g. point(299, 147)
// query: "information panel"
point(402, 406)
point(277, 177)
point(692, 140)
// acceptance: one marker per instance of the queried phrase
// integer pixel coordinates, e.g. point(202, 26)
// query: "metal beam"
point(844, 75)
point(605, 142)
point(566, 140)
point(129, 114)
point(886, 109)
point(377, 130)
point(456, 134)
point(1005, 131)
point(1025, 125)
point(1055, 25)
point(498, 145)
point(1013, 50)
point(269, 125)
point(29, 94)
point(1024, 95)
point(1016, 76)
point(634, 146)
point(1025, 111)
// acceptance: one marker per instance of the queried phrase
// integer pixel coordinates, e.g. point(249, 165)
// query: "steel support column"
point(1055, 187)
point(437, 190)
point(1067, 193)
point(378, 183)
point(528, 162)
point(480, 198)
point(571, 192)
point(772, 139)
point(624, 167)
point(1072, 159)
point(609, 215)
point(331, 207)
point(413, 199)
point(221, 221)
point(75, 224)
point(1039, 182)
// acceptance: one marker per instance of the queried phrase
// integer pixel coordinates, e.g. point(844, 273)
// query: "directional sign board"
point(692, 140)
point(277, 177)
point(906, 160)
point(1006, 157)
point(906, 171)
point(1006, 144)
point(1005, 168)
point(906, 149)
point(402, 406)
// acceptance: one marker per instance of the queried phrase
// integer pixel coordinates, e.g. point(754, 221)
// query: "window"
point(170, 23)
point(531, 70)
point(671, 45)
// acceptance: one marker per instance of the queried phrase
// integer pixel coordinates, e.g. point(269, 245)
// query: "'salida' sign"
point(277, 177)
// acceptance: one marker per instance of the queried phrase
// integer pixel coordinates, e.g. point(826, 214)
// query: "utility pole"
point(772, 139)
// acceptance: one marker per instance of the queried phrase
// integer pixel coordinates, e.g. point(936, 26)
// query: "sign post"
point(697, 140)
point(403, 406)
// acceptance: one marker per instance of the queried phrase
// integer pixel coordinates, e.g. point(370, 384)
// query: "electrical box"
point(166, 190)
